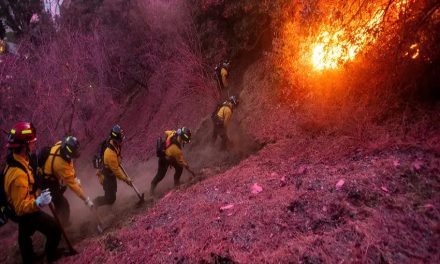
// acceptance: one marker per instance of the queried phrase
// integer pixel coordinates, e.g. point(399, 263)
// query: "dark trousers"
point(162, 170)
point(43, 223)
point(62, 207)
point(110, 188)
point(219, 130)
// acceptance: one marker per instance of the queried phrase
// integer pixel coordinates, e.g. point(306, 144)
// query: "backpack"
point(217, 108)
point(50, 181)
point(37, 163)
point(160, 147)
point(215, 118)
point(214, 115)
point(162, 144)
point(98, 159)
point(6, 210)
point(173, 140)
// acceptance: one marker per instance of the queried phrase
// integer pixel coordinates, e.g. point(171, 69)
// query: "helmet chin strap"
point(118, 142)
point(27, 150)
point(65, 155)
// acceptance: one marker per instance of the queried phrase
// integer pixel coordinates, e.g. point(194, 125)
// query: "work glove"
point(129, 181)
point(100, 177)
point(89, 203)
point(78, 181)
point(44, 199)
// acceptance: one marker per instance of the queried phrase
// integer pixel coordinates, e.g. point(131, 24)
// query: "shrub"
point(79, 74)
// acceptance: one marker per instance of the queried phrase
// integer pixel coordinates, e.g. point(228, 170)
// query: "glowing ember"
point(334, 49)
point(402, 5)
point(416, 50)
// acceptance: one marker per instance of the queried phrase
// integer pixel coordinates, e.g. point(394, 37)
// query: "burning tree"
point(346, 42)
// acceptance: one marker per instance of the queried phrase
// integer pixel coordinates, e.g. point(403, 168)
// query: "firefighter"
point(23, 197)
point(172, 156)
point(112, 168)
point(222, 74)
point(221, 119)
point(59, 173)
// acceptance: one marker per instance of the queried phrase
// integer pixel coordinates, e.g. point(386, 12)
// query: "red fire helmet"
point(21, 133)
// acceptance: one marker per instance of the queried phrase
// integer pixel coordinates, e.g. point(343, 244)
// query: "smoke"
point(82, 218)
point(203, 155)
point(207, 157)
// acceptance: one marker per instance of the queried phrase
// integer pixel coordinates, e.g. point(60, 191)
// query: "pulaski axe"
point(140, 196)
point(72, 251)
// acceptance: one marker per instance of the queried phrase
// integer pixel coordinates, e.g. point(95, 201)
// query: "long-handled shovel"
point(140, 196)
point(72, 251)
point(100, 225)
point(220, 91)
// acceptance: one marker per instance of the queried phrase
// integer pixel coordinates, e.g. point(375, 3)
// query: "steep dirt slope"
point(381, 212)
point(325, 198)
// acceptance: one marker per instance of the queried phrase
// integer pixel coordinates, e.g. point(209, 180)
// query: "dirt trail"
point(205, 157)
point(208, 158)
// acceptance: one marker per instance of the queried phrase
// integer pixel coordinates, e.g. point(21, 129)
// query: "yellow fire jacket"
point(173, 152)
point(225, 113)
point(63, 170)
point(19, 190)
point(224, 74)
point(112, 161)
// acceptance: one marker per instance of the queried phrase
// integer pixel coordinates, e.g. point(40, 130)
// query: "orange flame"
point(332, 50)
